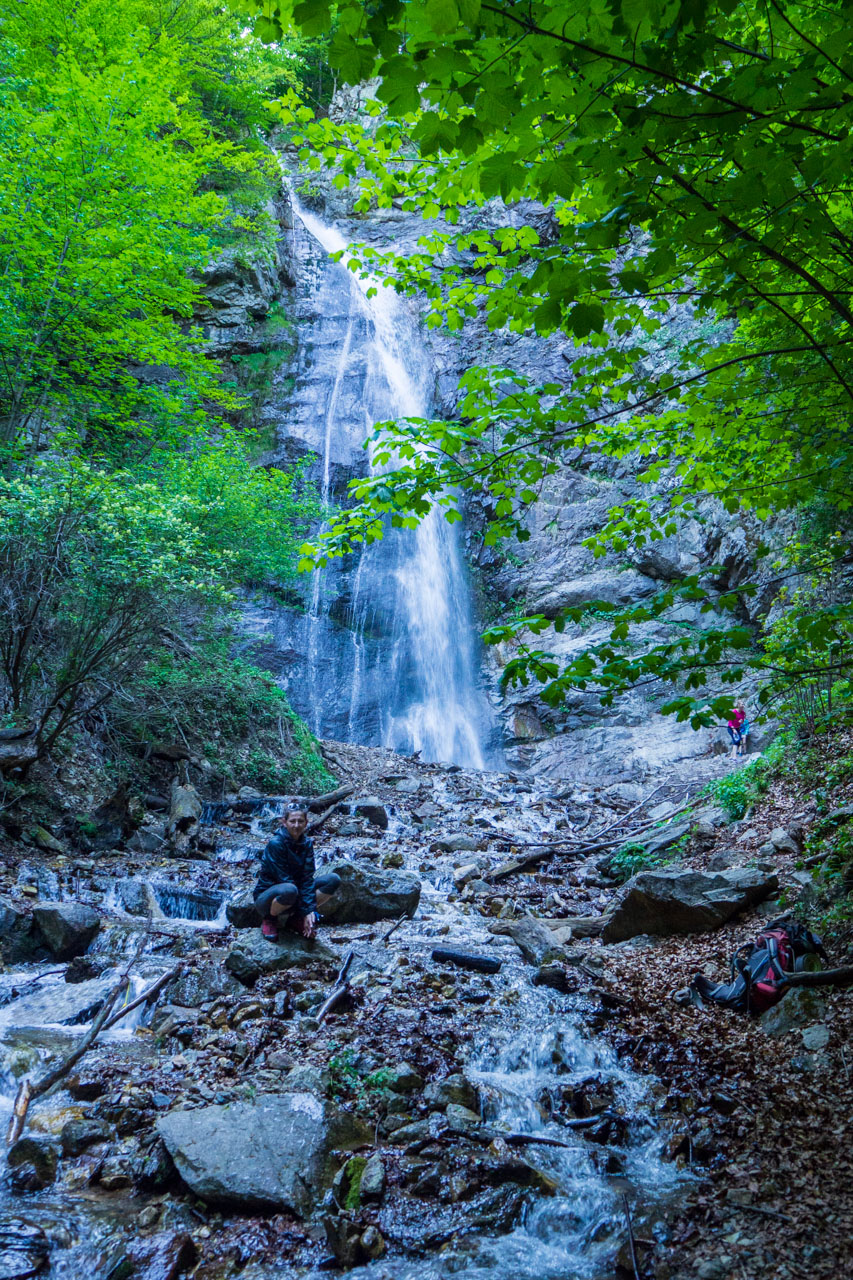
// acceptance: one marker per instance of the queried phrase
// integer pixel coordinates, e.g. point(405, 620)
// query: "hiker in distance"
point(289, 891)
point(738, 728)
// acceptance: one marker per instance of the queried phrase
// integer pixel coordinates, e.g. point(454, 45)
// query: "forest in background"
point(695, 158)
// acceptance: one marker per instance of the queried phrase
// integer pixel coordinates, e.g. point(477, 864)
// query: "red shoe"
point(269, 929)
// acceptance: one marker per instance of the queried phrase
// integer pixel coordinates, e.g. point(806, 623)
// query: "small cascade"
point(386, 653)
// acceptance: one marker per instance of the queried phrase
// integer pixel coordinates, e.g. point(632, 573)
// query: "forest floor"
point(752, 1126)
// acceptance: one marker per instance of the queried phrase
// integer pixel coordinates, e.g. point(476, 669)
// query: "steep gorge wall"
point(622, 745)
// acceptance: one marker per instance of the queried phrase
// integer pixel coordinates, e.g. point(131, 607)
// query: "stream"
point(384, 659)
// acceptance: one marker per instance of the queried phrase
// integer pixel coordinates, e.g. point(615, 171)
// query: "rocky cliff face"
point(621, 745)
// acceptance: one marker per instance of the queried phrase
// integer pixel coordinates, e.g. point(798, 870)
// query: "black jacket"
point(283, 860)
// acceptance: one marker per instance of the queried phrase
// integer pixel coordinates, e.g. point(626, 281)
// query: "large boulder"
point(241, 910)
point(676, 902)
point(253, 955)
point(369, 895)
point(67, 928)
point(273, 1154)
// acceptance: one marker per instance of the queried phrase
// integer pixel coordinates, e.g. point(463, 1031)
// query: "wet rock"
point(184, 813)
point(553, 975)
point(454, 1090)
point(67, 928)
point(33, 1163)
point(461, 1119)
point(66, 1004)
point(138, 898)
point(84, 969)
point(78, 1135)
point(114, 820)
point(273, 1154)
point(663, 903)
point(406, 1134)
point(367, 895)
point(253, 955)
point(116, 1173)
point(372, 1185)
point(24, 1248)
point(403, 1078)
point(372, 1243)
point(17, 941)
point(393, 860)
point(157, 1170)
point(241, 911)
point(194, 987)
point(162, 1257)
point(534, 939)
point(799, 1008)
point(43, 838)
point(457, 844)
point(373, 810)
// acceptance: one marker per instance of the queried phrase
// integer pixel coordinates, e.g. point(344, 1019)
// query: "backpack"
point(759, 967)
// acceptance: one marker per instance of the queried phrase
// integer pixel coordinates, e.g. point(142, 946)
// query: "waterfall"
point(390, 638)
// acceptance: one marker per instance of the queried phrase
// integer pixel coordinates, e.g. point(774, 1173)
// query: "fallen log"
point(841, 977)
point(319, 803)
point(462, 960)
point(389, 933)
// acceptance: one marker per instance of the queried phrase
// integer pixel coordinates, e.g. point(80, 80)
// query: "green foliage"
point(113, 187)
point(697, 164)
point(739, 790)
point(230, 711)
point(634, 857)
point(96, 566)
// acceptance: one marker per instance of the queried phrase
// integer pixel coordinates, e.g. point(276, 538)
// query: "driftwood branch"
point(319, 803)
point(389, 933)
point(841, 977)
point(631, 1242)
point(148, 994)
point(340, 988)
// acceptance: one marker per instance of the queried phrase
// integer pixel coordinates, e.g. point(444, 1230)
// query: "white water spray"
point(425, 698)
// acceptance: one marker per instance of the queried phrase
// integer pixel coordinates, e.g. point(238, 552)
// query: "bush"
point(229, 711)
point(737, 792)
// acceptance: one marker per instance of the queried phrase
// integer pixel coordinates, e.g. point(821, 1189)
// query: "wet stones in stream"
point(65, 1004)
point(24, 1248)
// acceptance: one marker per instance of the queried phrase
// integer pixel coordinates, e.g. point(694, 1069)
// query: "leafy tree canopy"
point(696, 157)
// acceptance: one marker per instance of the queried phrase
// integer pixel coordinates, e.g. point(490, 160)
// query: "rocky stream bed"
point(500, 1115)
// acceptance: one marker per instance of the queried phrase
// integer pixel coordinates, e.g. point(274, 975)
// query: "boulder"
point(67, 928)
point(162, 1257)
point(453, 1091)
point(274, 1154)
point(137, 898)
point(536, 942)
point(35, 1159)
point(676, 902)
point(77, 1135)
point(18, 941)
point(369, 895)
point(800, 1008)
point(241, 910)
point(184, 814)
point(457, 844)
point(373, 810)
point(253, 955)
point(783, 841)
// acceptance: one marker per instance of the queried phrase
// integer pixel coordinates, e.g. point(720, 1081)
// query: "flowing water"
point(387, 652)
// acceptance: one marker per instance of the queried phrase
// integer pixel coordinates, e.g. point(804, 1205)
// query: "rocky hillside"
point(484, 1035)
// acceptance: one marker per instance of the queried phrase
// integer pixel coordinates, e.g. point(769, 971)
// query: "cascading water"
point(390, 641)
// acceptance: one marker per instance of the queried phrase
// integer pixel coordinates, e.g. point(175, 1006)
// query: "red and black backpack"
point(759, 967)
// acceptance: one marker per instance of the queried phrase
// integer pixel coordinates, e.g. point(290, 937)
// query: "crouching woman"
point(288, 891)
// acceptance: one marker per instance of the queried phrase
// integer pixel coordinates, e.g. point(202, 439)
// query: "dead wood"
point(480, 964)
point(841, 977)
point(319, 803)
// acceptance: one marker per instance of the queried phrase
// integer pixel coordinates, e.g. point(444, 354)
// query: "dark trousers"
point(287, 892)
